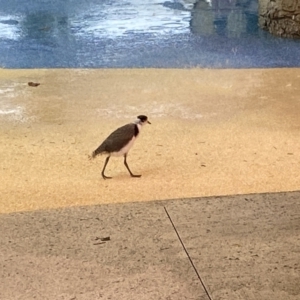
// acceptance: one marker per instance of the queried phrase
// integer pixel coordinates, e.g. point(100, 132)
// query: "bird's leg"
point(126, 165)
point(103, 175)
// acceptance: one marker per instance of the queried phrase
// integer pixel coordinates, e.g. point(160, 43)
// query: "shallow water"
point(136, 33)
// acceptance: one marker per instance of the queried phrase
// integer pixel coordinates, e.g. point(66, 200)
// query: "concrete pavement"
point(233, 247)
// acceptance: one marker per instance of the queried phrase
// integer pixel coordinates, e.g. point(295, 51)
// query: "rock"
point(280, 17)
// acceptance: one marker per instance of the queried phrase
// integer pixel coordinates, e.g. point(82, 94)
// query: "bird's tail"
point(98, 151)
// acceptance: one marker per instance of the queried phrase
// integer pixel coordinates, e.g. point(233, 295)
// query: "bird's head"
point(142, 120)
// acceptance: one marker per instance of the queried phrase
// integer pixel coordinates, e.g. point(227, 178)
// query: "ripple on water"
point(119, 19)
point(9, 27)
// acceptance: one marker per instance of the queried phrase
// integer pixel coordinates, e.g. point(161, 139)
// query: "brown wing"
point(117, 139)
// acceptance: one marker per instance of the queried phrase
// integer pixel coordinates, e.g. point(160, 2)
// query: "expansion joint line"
point(188, 255)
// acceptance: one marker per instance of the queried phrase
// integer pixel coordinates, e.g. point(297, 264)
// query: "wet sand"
point(213, 132)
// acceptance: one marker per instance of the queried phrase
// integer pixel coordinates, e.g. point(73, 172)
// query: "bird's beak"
point(148, 122)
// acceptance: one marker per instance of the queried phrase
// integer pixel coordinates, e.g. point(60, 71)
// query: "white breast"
point(125, 149)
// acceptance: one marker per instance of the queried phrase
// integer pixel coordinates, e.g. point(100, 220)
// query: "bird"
point(119, 142)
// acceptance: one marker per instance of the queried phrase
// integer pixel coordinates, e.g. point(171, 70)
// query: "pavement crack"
point(188, 255)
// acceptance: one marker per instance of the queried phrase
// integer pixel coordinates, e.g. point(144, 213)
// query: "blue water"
point(138, 33)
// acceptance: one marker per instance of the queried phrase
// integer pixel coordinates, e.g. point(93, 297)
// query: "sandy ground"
point(213, 132)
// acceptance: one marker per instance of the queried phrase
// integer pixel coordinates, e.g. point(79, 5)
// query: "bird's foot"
point(106, 177)
point(132, 175)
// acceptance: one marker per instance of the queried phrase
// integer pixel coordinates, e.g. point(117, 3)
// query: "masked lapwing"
point(119, 142)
